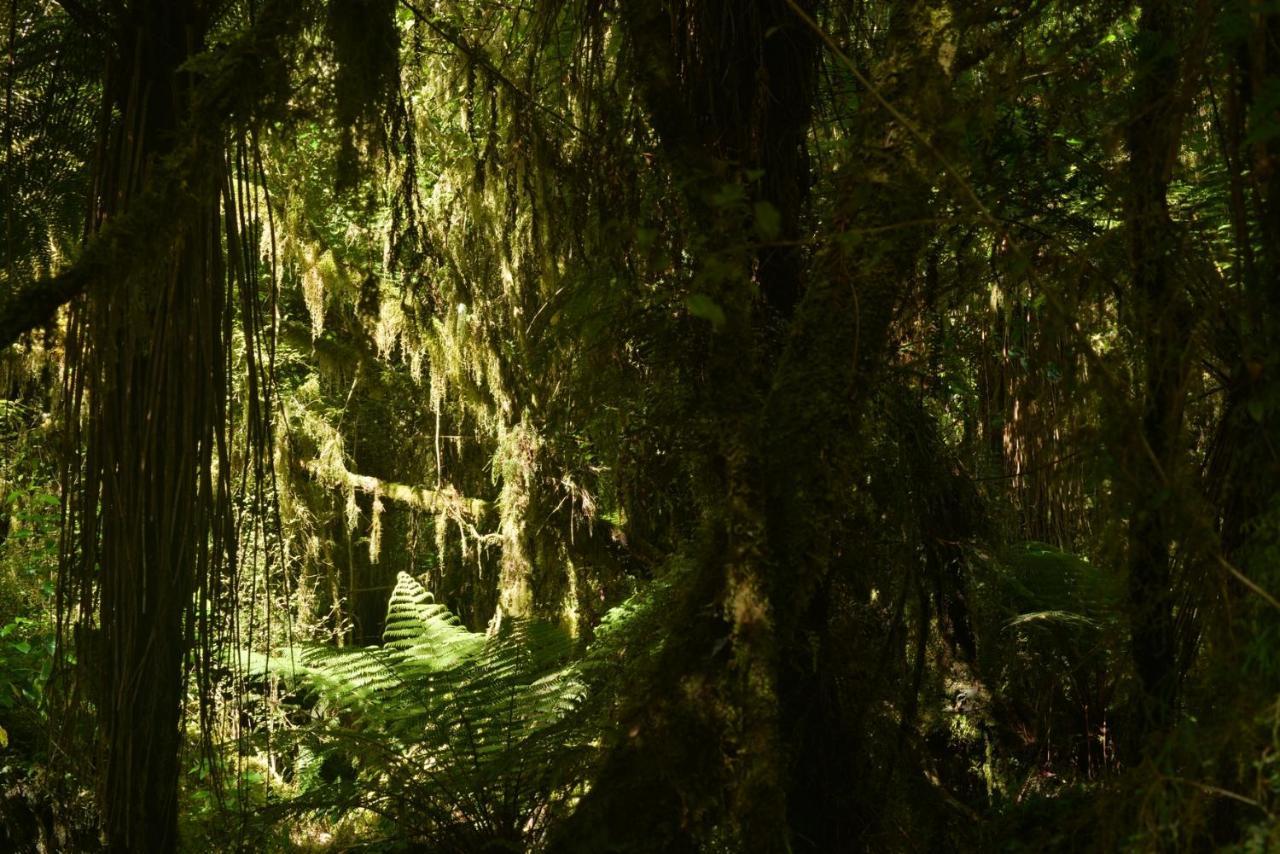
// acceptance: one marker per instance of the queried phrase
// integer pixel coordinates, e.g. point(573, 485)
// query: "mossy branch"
point(35, 304)
point(443, 500)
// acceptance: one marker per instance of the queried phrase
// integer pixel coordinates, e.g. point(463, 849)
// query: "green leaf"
point(701, 305)
point(729, 195)
point(768, 221)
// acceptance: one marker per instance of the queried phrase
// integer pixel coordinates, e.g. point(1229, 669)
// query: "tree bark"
point(149, 528)
point(1159, 319)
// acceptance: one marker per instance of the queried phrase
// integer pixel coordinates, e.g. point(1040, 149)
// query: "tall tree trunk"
point(152, 382)
point(837, 346)
point(729, 87)
point(1159, 319)
point(1250, 439)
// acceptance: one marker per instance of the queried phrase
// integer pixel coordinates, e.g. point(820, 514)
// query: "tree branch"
point(443, 500)
point(601, 539)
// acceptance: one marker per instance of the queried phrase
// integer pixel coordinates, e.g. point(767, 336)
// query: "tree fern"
point(1050, 624)
point(465, 741)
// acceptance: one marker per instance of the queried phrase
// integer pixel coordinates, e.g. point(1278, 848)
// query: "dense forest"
point(594, 426)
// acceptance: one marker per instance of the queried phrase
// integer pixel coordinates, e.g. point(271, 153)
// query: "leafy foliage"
point(882, 395)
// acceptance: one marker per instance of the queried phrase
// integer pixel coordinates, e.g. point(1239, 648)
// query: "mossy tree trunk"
point(795, 350)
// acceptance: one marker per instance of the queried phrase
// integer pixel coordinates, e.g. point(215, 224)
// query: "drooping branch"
point(35, 304)
point(241, 81)
point(474, 54)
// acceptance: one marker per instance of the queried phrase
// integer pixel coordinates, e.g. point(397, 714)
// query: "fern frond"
point(422, 633)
